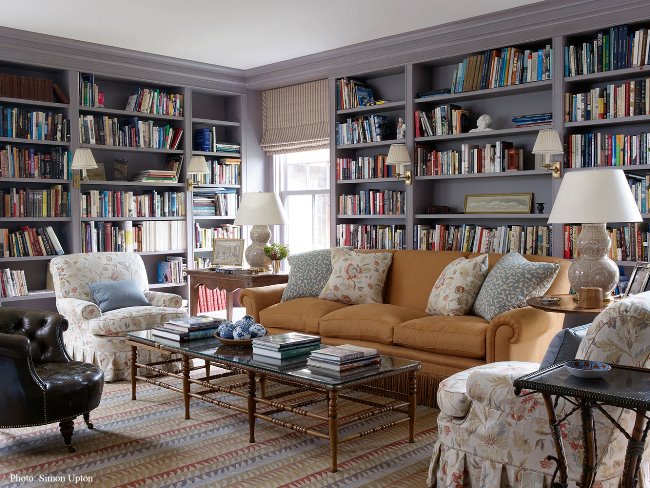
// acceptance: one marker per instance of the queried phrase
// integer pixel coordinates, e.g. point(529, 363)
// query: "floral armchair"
point(490, 438)
point(100, 338)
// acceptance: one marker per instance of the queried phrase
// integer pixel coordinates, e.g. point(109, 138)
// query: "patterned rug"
point(147, 443)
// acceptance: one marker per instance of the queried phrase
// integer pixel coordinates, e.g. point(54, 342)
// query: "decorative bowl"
point(234, 342)
point(587, 369)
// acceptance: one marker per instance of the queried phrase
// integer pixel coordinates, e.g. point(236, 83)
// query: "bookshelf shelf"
point(153, 184)
point(134, 219)
point(491, 134)
point(487, 93)
point(536, 172)
point(384, 107)
point(35, 181)
point(17, 140)
point(213, 217)
point(35, 219)
point(629, 167)
point(127, 113)
point(218, 154)
point(33, 103)
point(103, 147)
point(166, 251)
point(385, 216)
point(612, 75)
point(636, 119)
point(158, 286)
point(370, 144)
point(26, 258)
point(33, 295)
point(369, 180)
point(210, 187)
point(214, 122)
point(459, 216)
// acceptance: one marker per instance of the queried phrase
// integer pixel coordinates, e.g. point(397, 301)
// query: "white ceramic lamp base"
point(593, 267)
point(255, 257)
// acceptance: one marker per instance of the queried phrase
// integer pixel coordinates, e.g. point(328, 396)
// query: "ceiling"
point(238, 34)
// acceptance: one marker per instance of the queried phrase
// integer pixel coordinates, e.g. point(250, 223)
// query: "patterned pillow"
point(357, 277)
point(308, 274)
point(512, 280)
point(458, 286)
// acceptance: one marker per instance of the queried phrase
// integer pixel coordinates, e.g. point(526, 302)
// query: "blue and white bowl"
point(582, 368)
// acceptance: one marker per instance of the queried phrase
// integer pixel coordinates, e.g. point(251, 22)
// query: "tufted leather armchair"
point(39, 383)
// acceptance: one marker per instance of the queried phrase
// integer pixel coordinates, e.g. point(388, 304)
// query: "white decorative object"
point(83, 160)
point(398, 156)
point(548, 144)
point(483, 123)
point(259, 210)
point(593, 198)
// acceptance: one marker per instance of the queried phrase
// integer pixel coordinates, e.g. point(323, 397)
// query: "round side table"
point(566, 304)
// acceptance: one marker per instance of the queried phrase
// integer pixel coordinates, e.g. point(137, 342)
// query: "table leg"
point(251, 406)
point(194, 298)
point(229, 304)
point(134, 370)
point(186, 385)
point(333, 425)
point(263, 386)
point(413, 382)
point(634, 451)
point(589, 438)
point(207, 371)
point(557, 438)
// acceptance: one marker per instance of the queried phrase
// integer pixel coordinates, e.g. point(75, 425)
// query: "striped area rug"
point(147, 443)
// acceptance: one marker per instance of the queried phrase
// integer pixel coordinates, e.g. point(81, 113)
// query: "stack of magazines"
point(284, 350)
point(344, 360)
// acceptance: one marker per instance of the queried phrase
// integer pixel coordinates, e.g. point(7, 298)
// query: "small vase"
point(276, 266)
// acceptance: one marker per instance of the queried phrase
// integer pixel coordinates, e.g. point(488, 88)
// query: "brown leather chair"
point(39, 383)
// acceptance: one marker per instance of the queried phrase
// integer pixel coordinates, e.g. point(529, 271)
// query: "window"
point(302, 181)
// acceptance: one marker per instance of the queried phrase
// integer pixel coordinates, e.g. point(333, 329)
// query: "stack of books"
point(532, 120)
point(284, 350)
point(343, 360)
point(151, 175)
point(187, 330)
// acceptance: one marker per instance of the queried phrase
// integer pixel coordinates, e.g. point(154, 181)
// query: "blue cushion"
point(111, 295)
point(308, 274)
point(564, 345)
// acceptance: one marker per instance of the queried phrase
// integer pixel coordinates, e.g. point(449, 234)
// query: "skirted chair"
point(100, 338)
point(489, 438)
point(39, 383)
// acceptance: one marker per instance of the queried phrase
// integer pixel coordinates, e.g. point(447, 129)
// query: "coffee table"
point(237, 361)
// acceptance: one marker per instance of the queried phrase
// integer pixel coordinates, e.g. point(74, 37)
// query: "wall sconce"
point(398, 156)
point(198, 166)
point(548, 143)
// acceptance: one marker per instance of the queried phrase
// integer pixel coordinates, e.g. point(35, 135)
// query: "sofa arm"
point(522, 334)
point(77, 310)
point(257, 299)
point(160, 299)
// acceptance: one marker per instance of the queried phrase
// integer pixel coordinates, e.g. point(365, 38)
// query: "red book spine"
point(567, 242)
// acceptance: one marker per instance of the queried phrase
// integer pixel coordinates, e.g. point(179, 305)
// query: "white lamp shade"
point(83, 159)
point(260, 208)
point(398, 155)
point(594, 197)
point(198, 165)
point(548, 142)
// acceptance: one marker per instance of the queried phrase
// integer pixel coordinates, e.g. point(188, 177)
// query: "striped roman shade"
point(295, 118)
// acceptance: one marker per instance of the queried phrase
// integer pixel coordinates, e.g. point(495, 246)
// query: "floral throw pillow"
point(357, 277)
point(458, 286)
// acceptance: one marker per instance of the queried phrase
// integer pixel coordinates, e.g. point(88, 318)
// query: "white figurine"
point(483, 123)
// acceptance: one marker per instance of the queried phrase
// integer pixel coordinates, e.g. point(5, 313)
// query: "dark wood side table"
point(622, 386)
point(228, 282)
point(566, 305)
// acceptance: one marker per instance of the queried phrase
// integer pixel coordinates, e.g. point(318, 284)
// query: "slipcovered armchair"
point(39, 383)
point(489, 438)
point(100, 338)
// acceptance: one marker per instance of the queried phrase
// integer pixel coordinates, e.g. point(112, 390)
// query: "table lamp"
point(83, 160)
point(398, 156)
point(260, 210)
point(593, 198)
point(198, 166)
point(549, 144)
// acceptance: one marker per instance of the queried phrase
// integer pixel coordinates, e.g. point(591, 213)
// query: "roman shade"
point(295, 118)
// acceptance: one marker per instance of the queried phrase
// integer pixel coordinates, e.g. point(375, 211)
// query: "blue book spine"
point(540, 64)
point(566, 61)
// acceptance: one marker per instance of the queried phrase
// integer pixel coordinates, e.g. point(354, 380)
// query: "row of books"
point(491, 158)
point(352, 93)
point(617, 48)
point(504, 67)
point(89, 93)
point(29, 241)
point(25, 162)
point(13, 283)
point(639, 187)
point(441, 121)
point(284, 350)
point(206, 139)
point(609, 102)
point(373, 202)
point(224, 171)
point(215, 202)
point(369, 128)
point(203, 237)
point(210, 300)
point(629, 242)
point(32, 124)
point(26, 202)
point(187, 329)
point(537, 239)
point(343, 361)
point(30, 88)
point(366, 236)
point(155, 101)
point(599, 149)
point(363, 167)
point(532, 120)
point(125, 237)
point(110, 131)
point(172, 270)
point(120, 203)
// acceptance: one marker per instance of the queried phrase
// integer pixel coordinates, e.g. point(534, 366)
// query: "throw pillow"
point(458, 286)
point(111, 295)
point(564, 346)
point(357, 277)
point(512, 280)
point(308, 274)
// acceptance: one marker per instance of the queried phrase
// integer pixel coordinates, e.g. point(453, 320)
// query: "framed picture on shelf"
point(505, 203)
point(639, 280)
point(227, 252)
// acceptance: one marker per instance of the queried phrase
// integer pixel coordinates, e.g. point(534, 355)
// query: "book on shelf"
point(27, 202)
point(26, 162)
point(600, 149)
point(611, 101)
point(363, 167)
point(132, 132)
point(496, 157)
point(222, 171)
point(367, 128)
point(172, 270)
point(206, 139)
point(366, 236)
point(28, 88)
point(284, 341)
point(37, 125)
point(29, 241)
point(629, 242)
point(210, 300)
point(176, 335)
point(215, 202)
point(525, 239)
point(13, 283)
point(351, 93)
point(301, 351)
point(373, 202)
point(441, 121)
point(120, 203)
point(155, 101)
point(532, 120)
point(89, 93)
point(639, 186)
point(203, 237)
point(98, 236)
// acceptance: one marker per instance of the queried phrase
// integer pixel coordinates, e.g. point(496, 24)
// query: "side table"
point(566, 305)
point(228, 282)
point(622, 386)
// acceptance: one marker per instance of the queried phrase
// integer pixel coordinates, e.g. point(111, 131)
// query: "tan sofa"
point(400, 327)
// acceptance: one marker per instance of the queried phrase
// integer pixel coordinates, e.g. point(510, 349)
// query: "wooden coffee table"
point(239, 361)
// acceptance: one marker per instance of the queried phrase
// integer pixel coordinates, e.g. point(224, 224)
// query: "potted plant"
point(276, 252)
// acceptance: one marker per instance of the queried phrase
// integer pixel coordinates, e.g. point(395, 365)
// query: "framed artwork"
point(639, 280)
point(227, 252)
point(505, 203)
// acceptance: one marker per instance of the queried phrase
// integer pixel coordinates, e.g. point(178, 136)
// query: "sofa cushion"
point(123, 320)
point(370, 322)
point(299, 314)
point(458, 286)
point(463, 336)
point(564, 346)
point(357, 277)
point(308, 274)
